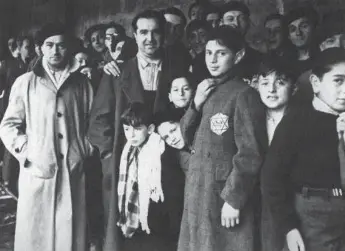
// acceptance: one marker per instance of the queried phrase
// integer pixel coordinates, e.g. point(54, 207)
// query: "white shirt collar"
point(321, 106)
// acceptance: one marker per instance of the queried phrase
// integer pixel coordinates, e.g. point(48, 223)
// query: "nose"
point(150, 36)
point(214, 58)
point(272, 87)
point(55, 49)
point(181, 92)
point(298, 31)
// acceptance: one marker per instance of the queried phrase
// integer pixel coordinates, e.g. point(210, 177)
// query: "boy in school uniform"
point(302, 174)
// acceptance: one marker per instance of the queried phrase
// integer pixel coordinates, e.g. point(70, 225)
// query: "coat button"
point(17, 150)
point(60, 136)
point(59, 114)
point(192, 152)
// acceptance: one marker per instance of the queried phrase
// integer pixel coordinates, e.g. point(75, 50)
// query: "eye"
point(208, 53)
point(186, 88)
point(264, 83)
point(292, 29)
point(339, 81)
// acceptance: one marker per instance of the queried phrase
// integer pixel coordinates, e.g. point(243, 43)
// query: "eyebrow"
point(339, 75)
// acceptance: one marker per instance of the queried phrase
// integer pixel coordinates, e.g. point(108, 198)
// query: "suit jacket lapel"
point(131, 82)
point(161, 99)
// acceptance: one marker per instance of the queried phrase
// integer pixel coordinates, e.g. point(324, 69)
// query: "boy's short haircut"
point(137, 114)
point(235, 6)
point(305, 10)
point(280, 65)
point(227, 36)
point(177, 12)
point(326, 59)
point(195, 25)
point(150, 14)
point(166, 116)
point(182, 73)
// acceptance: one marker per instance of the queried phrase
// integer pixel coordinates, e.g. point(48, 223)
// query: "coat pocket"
point(40, 170)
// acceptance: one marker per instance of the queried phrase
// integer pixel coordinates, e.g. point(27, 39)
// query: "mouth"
point(272, 98)
point(213, 68)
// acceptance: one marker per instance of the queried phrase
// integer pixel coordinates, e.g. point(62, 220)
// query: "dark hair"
point(235, 6)
point(212, 9)
point(326, 59)
point(129, 49)
point(275, 16)
point(194, 5)
point(195, 25)
point(278, 64)
point(182, 73)
point(177, 12)
point(332, 24)
point(52, 29)
point(168, 115)
point(97, 27)
point(305, 10)
point(137, 114)
point(118, 27)
point(227, 36)
point(149, 14)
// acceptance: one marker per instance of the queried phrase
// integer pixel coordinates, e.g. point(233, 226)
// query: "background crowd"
point(187, 98)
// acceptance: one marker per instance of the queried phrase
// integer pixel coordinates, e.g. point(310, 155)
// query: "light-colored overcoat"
point(45, 129)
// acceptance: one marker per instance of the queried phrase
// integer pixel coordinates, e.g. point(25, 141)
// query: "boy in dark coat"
point(223, 124)
point(302, 174)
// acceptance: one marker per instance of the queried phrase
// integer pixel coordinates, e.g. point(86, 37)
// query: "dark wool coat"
point(228, 145)
point(106, 133)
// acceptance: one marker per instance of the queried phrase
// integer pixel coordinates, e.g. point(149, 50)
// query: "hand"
point(112, 68)
point(341, 124)
point(294, 240)
point(230, 216)
point(86, 71)
point(203, 91)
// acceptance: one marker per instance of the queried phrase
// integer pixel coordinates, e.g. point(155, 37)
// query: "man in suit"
point(145, 79)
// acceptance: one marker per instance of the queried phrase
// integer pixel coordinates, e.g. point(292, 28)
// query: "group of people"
point(181, 138)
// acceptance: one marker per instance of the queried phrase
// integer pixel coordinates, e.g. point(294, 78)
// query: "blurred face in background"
point(180, 93)
point(331, 42)
point(97, 41)
point(174, 28)
point(197, 40)
point(82, 58)
point(275, 34)
point(213, 19)
point(26, 50)
point(301, 32)
point(197, 13)
point(110, 36)
point(236, 19)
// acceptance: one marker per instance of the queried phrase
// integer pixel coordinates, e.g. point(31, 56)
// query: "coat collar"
point(40, 72)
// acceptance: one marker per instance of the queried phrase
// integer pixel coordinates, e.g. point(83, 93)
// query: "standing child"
point(144, 219)
point(276, 85)
point(223, 122)
point(302, 174)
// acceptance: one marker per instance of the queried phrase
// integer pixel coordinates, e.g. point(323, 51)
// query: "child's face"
point(331, 42)
point(331, 87)
point(275, 90)
point(180, 93)
point(219, 58)
point(136, 135)
point(171, 134)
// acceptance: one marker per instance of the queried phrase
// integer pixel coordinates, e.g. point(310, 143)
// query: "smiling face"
point(236, 19)
point(275, 34)
point(300, 32)
point(275, 90)
point(219, 58)
point(171, 134)
point(148, 36)
point(55, 51)
point(180, 93)
point(330, 88)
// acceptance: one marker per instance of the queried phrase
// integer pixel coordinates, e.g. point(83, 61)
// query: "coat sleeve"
point(247, 161)
point(276, 170)
point(189, 124)
point(12, 127)
point(101, 128)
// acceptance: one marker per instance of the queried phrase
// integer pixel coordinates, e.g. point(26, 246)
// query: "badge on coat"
point(219, 123)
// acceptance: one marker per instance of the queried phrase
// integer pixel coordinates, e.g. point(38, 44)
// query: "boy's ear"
point(315, 83)
point(169, 96)
point(151, 128)
point(239, 55)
